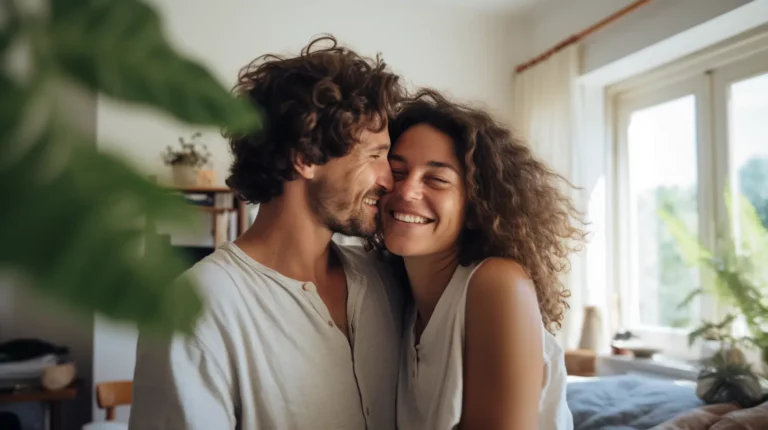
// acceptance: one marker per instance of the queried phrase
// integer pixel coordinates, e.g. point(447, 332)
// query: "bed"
point(627, 402)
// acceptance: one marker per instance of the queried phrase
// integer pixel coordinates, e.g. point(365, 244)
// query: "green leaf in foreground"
point(117, 48)
point(74, 229)
point(10, 110)
point(9, 28)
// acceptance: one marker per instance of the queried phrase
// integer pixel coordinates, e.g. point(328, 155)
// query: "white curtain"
point(545, 101)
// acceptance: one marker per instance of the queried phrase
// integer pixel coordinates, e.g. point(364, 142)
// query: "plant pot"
point(184, 176)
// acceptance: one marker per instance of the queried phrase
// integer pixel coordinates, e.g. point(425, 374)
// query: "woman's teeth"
point(413, 219)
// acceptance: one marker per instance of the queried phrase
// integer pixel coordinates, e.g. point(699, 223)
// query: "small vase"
point(591, 330)
point(184, 176)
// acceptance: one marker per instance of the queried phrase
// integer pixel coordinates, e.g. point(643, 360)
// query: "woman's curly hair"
point(315, 104)
point(517, 207)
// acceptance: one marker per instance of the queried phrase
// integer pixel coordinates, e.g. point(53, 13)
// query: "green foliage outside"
point(676, 278)
point(69, 214)
point(739, 271)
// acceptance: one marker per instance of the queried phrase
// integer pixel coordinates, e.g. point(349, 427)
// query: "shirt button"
point(308, 286)
point(330, 323)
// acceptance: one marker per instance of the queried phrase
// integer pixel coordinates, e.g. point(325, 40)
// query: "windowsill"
point(656, 367)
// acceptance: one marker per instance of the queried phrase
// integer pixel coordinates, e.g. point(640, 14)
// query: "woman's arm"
point(504, 365)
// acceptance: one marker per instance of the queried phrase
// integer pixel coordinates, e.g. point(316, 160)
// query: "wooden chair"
point(112, 394)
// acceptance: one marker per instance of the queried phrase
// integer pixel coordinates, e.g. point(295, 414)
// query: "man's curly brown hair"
point(315, 104)
point(517, 207)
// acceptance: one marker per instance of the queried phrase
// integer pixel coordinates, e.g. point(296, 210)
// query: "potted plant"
point(741, 288)
point(187, 160)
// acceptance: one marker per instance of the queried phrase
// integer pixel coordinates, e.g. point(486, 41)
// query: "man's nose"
point(385, 179)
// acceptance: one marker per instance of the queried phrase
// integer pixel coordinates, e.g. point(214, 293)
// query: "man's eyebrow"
point(382, 147)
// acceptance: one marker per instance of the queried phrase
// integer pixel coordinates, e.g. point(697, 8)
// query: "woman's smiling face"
point(424, 214)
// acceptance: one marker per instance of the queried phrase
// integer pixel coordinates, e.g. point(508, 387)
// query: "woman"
point(483, 231)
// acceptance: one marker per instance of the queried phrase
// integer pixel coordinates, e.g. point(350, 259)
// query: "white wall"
point(469, 54)
point(554, 20)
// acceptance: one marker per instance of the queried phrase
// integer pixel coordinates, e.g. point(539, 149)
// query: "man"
point(299, 333)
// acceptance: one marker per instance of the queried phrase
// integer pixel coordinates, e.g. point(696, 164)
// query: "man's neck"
point(429, 276)
point(289, 240)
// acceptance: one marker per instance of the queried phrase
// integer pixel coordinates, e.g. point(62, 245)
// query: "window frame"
point(708, 76)
point(625, 104)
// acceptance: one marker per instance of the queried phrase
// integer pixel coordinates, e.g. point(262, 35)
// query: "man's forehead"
point(370, 139)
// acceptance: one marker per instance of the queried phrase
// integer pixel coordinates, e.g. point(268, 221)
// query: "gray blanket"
point(628, 402)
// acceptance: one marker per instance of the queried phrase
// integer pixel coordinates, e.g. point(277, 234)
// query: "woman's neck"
point(429, 276)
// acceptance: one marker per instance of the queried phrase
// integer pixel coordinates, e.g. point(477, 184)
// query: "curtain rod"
point(578, 36)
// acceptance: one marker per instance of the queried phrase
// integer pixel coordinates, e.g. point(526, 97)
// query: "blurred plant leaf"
point(699, 332)
point(708, 327)
point(753, 238)
point(70, 229)
point(688, 244)
point(10, 28)
point(689, 298)
point(10, 110)
point(117, 48)
point(72, 220)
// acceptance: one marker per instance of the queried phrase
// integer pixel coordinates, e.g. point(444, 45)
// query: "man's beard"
point(337, 211)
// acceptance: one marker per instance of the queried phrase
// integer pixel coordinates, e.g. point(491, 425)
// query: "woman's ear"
point(305, 169)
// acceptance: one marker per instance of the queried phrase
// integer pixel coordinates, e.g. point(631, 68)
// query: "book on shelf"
point(198, 199)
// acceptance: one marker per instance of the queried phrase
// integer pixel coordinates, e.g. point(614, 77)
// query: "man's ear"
point(303, 168)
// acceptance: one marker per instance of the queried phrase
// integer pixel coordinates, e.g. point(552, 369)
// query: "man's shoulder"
point(377, 270)
point(217, 276)
point(363, 261)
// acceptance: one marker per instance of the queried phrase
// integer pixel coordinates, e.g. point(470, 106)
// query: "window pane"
point(662, 175)
point(748, 125)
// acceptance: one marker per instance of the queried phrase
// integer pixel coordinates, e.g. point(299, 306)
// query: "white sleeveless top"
point(431, 382)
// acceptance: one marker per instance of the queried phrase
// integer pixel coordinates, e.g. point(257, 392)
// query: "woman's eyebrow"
point(442, 165)
point(433, 164)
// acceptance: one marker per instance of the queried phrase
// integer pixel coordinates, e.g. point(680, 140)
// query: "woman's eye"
point(437, 180)
point(398, 175)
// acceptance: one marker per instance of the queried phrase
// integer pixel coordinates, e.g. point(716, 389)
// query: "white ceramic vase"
point(591, 330)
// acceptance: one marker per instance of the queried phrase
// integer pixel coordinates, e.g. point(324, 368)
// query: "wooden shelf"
point(39, 395)
point(203, 189)
point(215, 210)
point(239, 207)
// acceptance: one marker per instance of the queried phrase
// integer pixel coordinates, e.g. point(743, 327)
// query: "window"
point(661, 143)
point(682, 134)
point(748, 126)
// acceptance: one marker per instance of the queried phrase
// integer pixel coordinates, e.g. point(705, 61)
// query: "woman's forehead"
point(424, 144)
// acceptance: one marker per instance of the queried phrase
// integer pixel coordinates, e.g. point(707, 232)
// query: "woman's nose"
point(410, 189)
